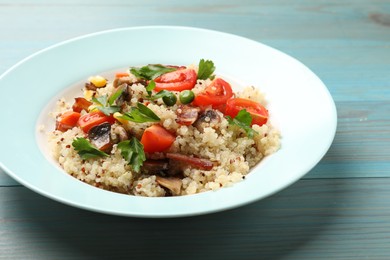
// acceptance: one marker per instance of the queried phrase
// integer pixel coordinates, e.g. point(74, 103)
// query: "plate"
point(299, 103)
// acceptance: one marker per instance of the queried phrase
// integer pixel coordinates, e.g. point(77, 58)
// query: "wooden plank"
point(362, 144)
point(313, 219)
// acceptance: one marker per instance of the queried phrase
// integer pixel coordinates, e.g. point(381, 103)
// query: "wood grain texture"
point(340, 210)
point(313, 219)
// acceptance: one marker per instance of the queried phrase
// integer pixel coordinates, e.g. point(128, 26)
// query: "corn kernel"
point(98, 81)
point(92, 107)
point(88, 94)
point(117, 116)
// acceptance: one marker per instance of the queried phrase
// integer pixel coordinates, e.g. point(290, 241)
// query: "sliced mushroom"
point(187, 115)
point(100, 137)
point(119, 81)
point(208, 118)
point(171, 183)
point(121, 133)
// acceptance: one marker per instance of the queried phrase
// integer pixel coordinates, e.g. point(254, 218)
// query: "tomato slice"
point(216, 95)
point(258, 112)
point(67, 120)
point(156, 139)
point(177, 80)
point(87, 121)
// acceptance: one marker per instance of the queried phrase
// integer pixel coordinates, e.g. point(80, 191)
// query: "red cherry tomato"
point(156, 139)
point(177, 80)
point(87, 121)
point(216, 95)
point(258, 112)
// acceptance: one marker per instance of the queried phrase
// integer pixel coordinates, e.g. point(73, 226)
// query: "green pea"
point(169, 99)
point(186, 96)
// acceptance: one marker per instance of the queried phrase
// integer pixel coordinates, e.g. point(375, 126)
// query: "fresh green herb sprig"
point(168, 97)
point(243, 120)
point(206, 69)
point(151, 85)
point(150, 71)
point(106, 104)
point(140, 114)
point(86, 150)
point(133, 152)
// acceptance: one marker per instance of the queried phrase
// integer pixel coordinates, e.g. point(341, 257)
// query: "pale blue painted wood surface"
point(340, 210)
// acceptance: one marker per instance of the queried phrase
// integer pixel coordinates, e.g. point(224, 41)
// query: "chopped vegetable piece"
point(216, 95)
point(178, 80)
point(186, 96)
point(100, 137)
point(157, 139)
point(67, 120)
point(140, 114)
point(120, 133)
point(150, 71)
point(119, 116)
point(155, 166)
point(171, 183)
point(88, 94)
point(94, 118)
point(207, 118)
point(206, 69)
point(187, 115)
point(199, 163)
point(81, 104)
point(170, 99)
point(98, 81)
point(121, 74)
point(133, 152)
point(243, 119)
point(86, 150)
point(257, 111)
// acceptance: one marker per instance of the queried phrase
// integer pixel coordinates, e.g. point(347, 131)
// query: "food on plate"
point(162, 130)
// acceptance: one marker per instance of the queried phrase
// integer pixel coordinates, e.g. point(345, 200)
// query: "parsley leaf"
point(206, 69)
point(115, 96)
point(108, 110)
point(86, 150)
point(150, 71)
point(168, 97)
point(133, 152)
point(161, 94)
point(105, 103)
point(150, 87)
point(243, 119)
point(140, 114)
point(101, 101)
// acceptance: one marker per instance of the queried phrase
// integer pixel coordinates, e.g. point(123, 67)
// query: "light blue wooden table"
point(340, 210)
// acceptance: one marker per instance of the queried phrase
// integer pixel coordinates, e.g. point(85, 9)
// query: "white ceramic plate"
point(299, 103)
